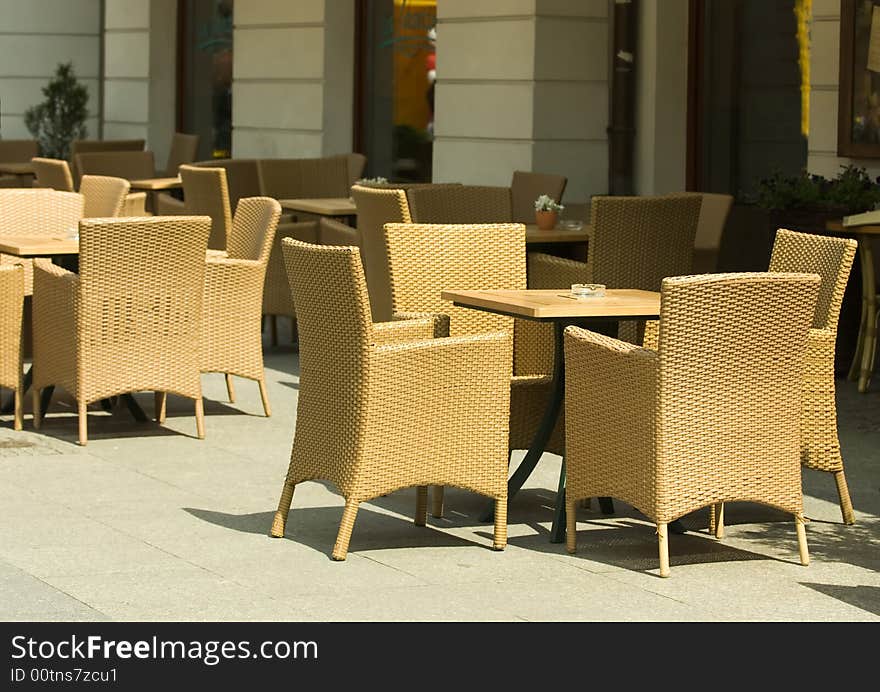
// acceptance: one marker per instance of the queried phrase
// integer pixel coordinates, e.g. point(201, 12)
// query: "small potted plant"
point(547, 212)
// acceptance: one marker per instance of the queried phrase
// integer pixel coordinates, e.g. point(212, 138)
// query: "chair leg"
point(499, 541)
point(273, 328)
point(712, 519)
point(38, 414)
point(17, 417)
point(802, 539)
point(280, 520)
point(421, 505)
point(846, 508)
point(349, 514)
point(83, 423)
point(264, 395)
point(571, 526)
point(663, 541)
point(719, 520)
point(230, 388)
point(200, 418)
point(437, 502)
point(160, 399)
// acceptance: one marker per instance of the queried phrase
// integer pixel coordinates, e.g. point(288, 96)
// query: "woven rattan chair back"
point(830, 258)
point(39, 212)
point(304, 178)
point(460, 204)
point(206, 192)
point(88, 146)
point(375, 208)
point(103, 196)
point(52, 173)
point(638, 241)
point(731, 350)
point(242, 177)
point(253, 229)
point(183, 151)
point(11, 304)
point(18, 150)
point(141, 286)
point(335, 328)
point(356, 164)
point(526, 187)
point(424, 259)
point(131, 165)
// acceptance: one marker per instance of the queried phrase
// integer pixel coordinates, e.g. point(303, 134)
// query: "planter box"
point(746, 246)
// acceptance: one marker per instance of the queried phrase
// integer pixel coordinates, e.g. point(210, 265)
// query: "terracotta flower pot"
point(546, 220)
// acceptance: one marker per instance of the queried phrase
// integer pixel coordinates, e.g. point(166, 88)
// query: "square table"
point(322, 206)
point(153, 186)
point(535, 235)
point(562, 309)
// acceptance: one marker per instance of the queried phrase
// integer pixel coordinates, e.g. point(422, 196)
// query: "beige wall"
point(824, 77)
point(293, 71)
point(35, 36)
point(522, 84)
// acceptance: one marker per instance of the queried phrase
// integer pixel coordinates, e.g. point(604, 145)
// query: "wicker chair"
point(711, 416)
point(376, 207)
point(37, 212)
point(443, 402)
point(425, 259)
point(11, 304)
point(131, 165)
point(88, 146)
point(714, 210)
point(52, 173)
point(18, 150)
point(183, 151)
point(356, 164)
point(635, 243)
point(130, 321)
point(231, 330)
point(304, 178)
point(103, 196)
point(832, 259)
point(525, 187)
point(205, 192)
point(460, 204)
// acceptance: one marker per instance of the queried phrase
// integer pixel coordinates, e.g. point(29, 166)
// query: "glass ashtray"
point(572, 224)
point(587, 290)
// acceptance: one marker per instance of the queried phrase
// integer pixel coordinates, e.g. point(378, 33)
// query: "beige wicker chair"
point(304, 178)
point(424, 259)
point(205, 192)
point(130, 321)
point(711, 416)
point(444, 402)
point(376, 207)
point(460, 204)
point(37, 212)
point(88, 146)
point(183, 151)
point(635, 243)
point(832, 259)
point(11, 305)
point(714, 210)
point(131, 165)
point(52, 173)
point(103, 196)
point(356, 164)
point(231, 329)
point(525, 187)
point(18, 150)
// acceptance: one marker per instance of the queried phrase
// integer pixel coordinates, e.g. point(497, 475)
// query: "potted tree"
point(61, 118)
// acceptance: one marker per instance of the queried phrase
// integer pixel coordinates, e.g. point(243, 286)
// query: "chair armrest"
point(402, 331)
point(232, 278)
point(441, 321)
point(651, 337)
point(548, 271)
point(135, 204)
point(216, 254)
point(55, 304)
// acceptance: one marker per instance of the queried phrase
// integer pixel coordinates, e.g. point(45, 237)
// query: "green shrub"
point(61, 118)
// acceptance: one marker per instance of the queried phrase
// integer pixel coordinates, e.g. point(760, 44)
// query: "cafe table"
point(560, 308)
point(63, 251)
point(153, 186)
point(866, 344)
point(535, 235)
point(322, 206)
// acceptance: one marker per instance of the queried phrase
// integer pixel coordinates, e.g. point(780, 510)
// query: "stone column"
point(523, 84)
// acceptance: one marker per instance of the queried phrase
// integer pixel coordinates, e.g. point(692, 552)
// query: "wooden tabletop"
point(838, 227)
point(557, 235)
point(323, 206)
point(558, 304)
point(36, 246)
point(156, 183)
point(17, 168)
